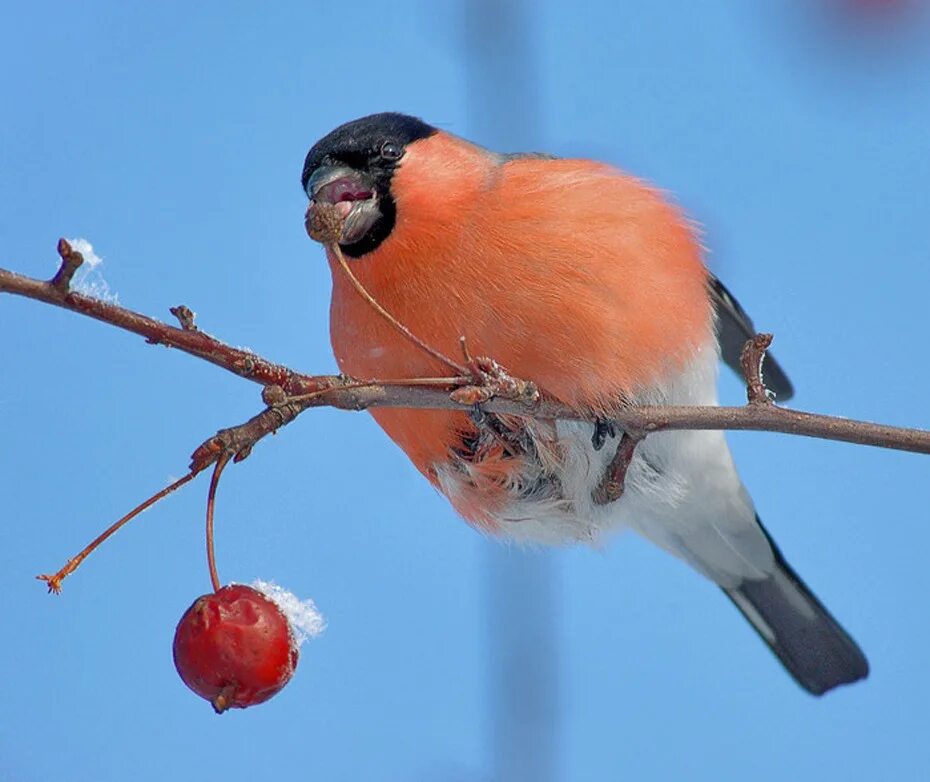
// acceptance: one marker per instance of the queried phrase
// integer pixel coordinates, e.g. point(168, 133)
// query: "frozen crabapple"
point(235, 647)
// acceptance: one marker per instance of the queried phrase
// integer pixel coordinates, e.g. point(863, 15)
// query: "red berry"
point(235, 648)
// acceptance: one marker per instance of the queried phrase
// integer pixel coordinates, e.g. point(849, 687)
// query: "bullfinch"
point(588, 282)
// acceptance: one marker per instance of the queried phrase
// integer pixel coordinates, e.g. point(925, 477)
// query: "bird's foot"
point(603, 429)
point(612, 483)
point(507, 431)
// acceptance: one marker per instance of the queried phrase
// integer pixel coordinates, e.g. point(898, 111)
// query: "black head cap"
point(359, 143)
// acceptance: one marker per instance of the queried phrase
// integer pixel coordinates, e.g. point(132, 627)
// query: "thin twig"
point(751, 359)
point(185, 317)
point(54, 581)
point(287, 394)
point(406, 382)
point(71, 261)
point(345, 392)
point(241, 362)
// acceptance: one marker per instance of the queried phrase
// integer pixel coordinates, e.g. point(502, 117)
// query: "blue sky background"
point(172, 135)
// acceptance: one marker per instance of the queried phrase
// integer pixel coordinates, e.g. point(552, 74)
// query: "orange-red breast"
point(588, 282)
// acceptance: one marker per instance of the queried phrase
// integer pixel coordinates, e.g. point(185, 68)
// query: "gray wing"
point(734, 327)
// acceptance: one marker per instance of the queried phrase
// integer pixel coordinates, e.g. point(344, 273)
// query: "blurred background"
point(172, 136)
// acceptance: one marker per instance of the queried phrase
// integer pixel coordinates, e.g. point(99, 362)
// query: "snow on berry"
point(306, 621)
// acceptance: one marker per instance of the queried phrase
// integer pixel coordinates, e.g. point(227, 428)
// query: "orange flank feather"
point(557, 269)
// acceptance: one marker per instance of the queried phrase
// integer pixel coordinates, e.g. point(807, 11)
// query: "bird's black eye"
point(391, 151)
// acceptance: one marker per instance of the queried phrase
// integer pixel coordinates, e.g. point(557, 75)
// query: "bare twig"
point(751, 362)
point(287, 393)
point(358, 394)
point(240, 362)
point(185, 317)
point(54, 580)
point(238, 440)
point(71, 260)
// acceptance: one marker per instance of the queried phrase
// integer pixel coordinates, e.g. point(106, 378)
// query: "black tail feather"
point(810, 643)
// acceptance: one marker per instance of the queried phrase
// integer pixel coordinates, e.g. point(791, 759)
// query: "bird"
point(591, 284)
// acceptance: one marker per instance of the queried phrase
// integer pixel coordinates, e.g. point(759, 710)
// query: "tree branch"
point(196, 343)
point(288, 393)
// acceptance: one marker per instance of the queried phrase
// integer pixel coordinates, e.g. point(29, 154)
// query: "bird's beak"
point(353, 194)
point(337, 183)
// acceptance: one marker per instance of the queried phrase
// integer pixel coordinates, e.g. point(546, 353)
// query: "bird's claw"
point(603, 429)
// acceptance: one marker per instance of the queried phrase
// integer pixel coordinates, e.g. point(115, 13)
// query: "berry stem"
point(221, 463)
point(54, 581)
